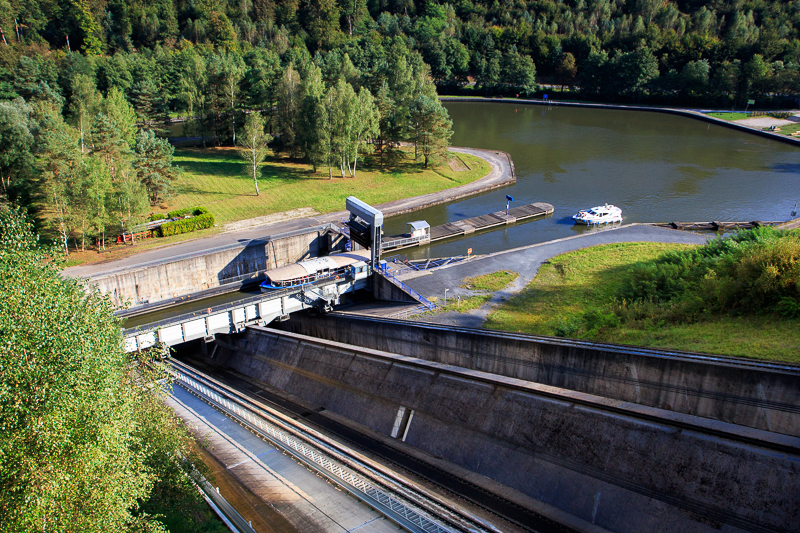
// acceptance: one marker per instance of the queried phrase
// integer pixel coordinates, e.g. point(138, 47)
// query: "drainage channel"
point(408, 506)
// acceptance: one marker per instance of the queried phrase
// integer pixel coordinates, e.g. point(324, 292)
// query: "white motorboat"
point(599, 215)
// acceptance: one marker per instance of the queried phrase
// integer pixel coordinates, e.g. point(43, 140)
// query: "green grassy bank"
point(577, 295)
point(216, 178)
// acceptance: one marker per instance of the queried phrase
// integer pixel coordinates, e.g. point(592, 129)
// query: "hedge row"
point(194, 211)
point(185, 225)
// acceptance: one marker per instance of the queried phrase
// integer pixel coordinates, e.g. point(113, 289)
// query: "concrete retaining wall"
point(624, 473)
point(760, 397)
point(197, 272)
point(385, 290)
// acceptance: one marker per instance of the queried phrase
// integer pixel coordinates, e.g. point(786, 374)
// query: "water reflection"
point(656, 167)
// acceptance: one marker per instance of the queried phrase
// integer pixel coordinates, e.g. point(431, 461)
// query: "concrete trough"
point(622, 466)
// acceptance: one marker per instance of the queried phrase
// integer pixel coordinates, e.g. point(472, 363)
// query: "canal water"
point(656, 167)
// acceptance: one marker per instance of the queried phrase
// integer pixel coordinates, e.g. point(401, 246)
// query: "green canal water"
point(656, 167)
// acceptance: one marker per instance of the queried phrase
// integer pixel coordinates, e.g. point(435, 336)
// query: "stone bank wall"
point(762, 396)
point(585, 455)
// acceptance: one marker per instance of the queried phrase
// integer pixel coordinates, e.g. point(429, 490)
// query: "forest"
point(720, 52)
point(87, 86)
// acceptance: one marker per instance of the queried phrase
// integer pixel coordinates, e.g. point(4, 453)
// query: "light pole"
point(445, 297)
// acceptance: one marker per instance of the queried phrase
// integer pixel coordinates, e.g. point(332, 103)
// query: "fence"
point(420, 298)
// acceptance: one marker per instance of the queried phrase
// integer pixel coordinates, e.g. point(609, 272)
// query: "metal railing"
point(402, 242)
point(314, 455)
point(271, 295)
point(420, 298)
point(417, 265)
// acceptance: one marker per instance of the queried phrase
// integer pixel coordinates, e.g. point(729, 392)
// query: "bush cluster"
point(201, 218)
point(755, 271)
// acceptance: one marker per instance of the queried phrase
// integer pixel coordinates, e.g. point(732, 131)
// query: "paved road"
point(500, 174)
point(526, 261)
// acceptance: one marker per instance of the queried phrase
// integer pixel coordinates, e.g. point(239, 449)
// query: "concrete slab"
point(307, 501)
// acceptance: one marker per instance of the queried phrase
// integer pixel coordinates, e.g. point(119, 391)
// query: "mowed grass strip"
point(491, 282)
point(577, 282)
point(484, 283)
point(218, 179)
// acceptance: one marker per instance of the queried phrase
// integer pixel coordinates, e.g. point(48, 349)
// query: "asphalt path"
point(526, 262)
point(501, 173)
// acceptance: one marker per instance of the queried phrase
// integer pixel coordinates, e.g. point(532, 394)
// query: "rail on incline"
point(425, 303)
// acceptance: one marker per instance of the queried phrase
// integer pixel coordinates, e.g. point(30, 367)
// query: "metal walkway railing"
point(420, 298)
point(402, 512)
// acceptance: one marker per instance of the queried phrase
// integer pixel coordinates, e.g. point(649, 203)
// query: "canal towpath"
point(501, 174)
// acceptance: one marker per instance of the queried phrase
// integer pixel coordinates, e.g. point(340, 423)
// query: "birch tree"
point(289, 100)
point(366, 123)
point(84, 104)
point(252, 145)
point(59, 154)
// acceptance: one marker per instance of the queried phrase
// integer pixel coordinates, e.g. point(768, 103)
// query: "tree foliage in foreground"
point(85, 442)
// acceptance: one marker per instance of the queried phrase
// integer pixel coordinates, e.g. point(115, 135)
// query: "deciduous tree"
point(431, 128)
point(252, 144)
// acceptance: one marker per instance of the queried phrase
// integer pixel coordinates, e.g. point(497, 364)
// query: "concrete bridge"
point(256, 310)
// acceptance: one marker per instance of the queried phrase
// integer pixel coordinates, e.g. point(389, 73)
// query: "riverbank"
point(691, 113)
point(501, 173)
point(567, 288)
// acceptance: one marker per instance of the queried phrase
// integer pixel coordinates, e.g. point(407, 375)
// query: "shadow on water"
point(788, 168)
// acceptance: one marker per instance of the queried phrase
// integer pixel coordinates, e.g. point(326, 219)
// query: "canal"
point(656, 167)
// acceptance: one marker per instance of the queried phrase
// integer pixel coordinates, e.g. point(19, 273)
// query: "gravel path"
point(525, 261)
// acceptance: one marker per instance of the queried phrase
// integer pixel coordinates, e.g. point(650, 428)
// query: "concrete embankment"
point(622, 466)
point(748, 393)
point(153, 282)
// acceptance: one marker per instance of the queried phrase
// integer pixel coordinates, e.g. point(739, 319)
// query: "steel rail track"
point(400, 501)
point(494, 504)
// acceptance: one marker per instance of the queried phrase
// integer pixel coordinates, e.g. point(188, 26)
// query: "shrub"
point(750, 271)
point(193, 211)
point(157, 216)
point(200, 219)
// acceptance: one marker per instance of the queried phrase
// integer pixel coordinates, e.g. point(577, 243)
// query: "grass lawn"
point(216, 178)
point(574, 283)
point(491, 282)
point(729, 116)
point(485, 283)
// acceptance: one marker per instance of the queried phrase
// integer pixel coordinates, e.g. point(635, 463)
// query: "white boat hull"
point(603, 214)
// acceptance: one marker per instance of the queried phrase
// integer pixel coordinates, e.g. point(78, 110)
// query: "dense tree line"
point(87, 444)
point(87, 163)
point(721, 52)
